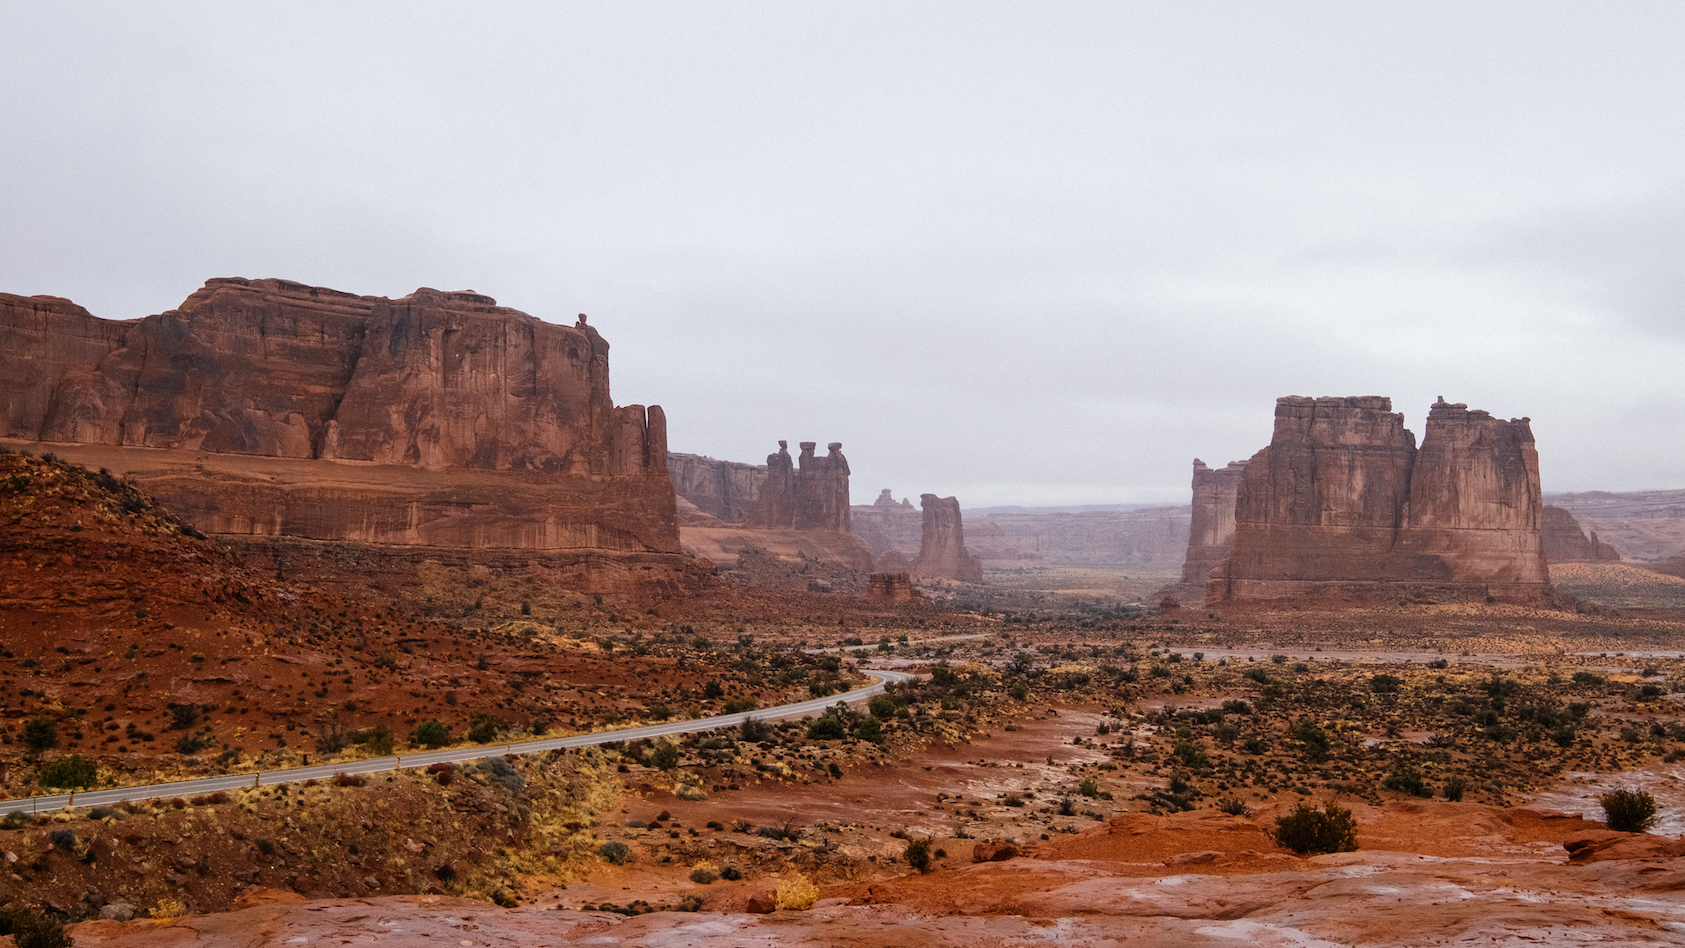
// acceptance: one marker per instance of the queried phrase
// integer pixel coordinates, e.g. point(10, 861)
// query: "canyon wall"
point(1151, 541)
point(942, 551)
point(1342, 502)
point(1639, 525)
point(726, 489)
point(271, 408)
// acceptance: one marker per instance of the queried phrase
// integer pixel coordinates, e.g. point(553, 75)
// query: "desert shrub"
point(349, 780)
point(1407, 779)
point(501, 771)
point(379, 740)
point(432, 733)
point(1089, 787)
point(1233, 807)
point(690, 903)
point(917, 854)
point(192, 743)
point(882, 707)
point(483, 728)
point(870, 729)
point(1236, 706)
point(827, 727)
point(1629, 811)
point(713, 689)
point(32, 929)
point(1385, 684)
point(754, 730)
point(615, 853)
point(182, 716)
point(40, 734)
point(730, 873)
point(739, 705)
point(665, 756)
point(1313, 740)
point(70, 773)
point(796, 891)
point(1191, 755)
point(702, 876)
point(1587, 678)
point(1256, 674)
point(1307, 830)
point(64, 839)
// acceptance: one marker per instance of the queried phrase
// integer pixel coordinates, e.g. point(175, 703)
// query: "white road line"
point(205, 785)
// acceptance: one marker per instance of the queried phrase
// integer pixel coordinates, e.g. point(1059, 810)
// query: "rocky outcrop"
point(888, 524)
point(1342, 502)
point(1640, 525)
point(1210, 530)
point(889, 589)
point(727, 490)
point(810, 494)
point(1565, 542)
point(266, 407)
point(942, 551)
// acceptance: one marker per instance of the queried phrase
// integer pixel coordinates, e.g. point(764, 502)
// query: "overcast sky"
point(1022, 253)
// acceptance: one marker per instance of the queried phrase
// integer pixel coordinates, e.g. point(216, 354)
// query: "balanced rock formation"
point(271, 408)
point(942, 552)
point(1566, 542)
point(808, 494)
point(1343, 502)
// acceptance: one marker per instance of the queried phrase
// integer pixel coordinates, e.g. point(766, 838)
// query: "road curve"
point(450, 755)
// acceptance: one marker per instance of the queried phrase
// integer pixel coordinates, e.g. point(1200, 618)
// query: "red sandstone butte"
point(1210, 530)
point(1342, 502)
point(271, 408)
point(1566, 542)
point(942, 551)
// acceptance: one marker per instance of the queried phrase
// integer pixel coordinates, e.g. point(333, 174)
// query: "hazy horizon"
point(1031, 256)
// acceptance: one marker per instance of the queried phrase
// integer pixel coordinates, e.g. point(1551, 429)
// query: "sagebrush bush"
point(1629, 811)
point(917, 854)
point(615, 853)
point(1307, 830)
point(69, 773)
point(795, 891)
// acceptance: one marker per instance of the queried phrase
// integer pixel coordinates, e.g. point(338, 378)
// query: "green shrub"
point(739, 705)
point(870, 729)
point(665, 756)
point(1629, 811)
point(615, 853)
point(40, 734)
point(1385, 684)
point(70, 773)
point(1313, 740)
point(483, 728)
point(882, 707)
point(917, 854)
point(827, 727)
point(380, 740)
point(432, 733)
point(1454, 789)
point(1089, 788)
point(1307, 830)
point(1407, 779)
point(702, 876)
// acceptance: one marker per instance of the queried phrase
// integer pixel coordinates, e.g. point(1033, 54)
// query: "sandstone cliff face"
point(1565, 542)
point(268, 407)
point(942, 552)
point(726, 489)
point(1152, 540)
point(889, 589)
point(888, 525)
point(1342, 501)
point(1210, 530)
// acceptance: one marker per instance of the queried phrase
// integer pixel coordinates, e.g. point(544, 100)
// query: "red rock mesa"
point(270, 408)
point(1343, 502)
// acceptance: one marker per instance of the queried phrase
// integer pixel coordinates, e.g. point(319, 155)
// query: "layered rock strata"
point(942, 551)
point(727, 490)
point(1343, 502)
point(271, 408)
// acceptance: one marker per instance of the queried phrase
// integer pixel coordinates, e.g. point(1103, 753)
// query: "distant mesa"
point(1343, 503)
point(268, 408)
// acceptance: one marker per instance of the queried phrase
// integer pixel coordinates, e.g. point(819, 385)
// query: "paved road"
point(451, 755)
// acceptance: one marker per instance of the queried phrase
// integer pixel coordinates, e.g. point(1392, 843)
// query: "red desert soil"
point(1428, 873)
